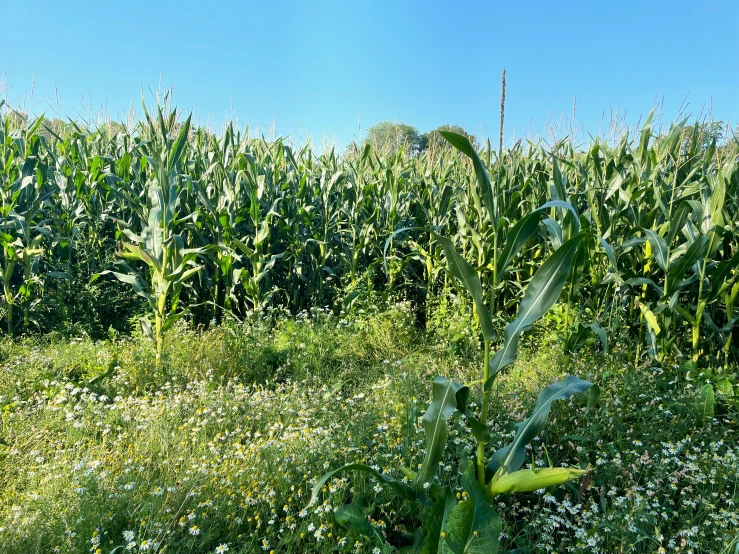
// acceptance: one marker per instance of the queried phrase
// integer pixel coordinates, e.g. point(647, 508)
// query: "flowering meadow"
point(219, 451)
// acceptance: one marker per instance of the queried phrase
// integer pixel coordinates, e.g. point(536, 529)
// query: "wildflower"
point(221, 548)
point(194, 530)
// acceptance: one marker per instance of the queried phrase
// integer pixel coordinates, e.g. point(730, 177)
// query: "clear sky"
point(316, 67)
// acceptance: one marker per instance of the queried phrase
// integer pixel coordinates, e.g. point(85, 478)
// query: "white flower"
point(221, 548)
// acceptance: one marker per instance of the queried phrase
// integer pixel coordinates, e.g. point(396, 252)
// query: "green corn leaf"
point(679, 267)
point(403, 492)
point(446, 399)
point(472, 526)
point(659, 248)
point(720, 276)
point(541, 294)
point(646, 134)
point(171, 320)
point(146, 328)
point(134, 252)
point(435, 520)
point(352, 515)
point(679, 218)
point(466, 274)
point(638, 281)
point(178, 146)
point(523, 230)
point(511, 457)
point(685, 314)
point(464, 145)
point(132, 280)
point(480, 430)
point(601, 334)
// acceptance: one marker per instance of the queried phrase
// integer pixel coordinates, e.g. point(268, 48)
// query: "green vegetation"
point(230, 436)
point(261, 327)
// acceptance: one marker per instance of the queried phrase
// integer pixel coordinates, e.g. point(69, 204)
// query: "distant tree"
point(434, 142)
point(700, 136)
point(389, 138)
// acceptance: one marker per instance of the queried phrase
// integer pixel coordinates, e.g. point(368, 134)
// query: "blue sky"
point(316, 67)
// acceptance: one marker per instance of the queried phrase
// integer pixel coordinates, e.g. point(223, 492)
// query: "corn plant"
point(472, 525)
point(23, 232)
point(167, 260)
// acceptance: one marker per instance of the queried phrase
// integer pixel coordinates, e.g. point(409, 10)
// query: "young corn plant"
point(472, 525)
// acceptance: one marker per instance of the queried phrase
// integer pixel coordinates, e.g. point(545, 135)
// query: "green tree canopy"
point(434, 142)
point(389, 138)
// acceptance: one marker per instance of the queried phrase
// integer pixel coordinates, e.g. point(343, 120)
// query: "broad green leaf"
point(725, 387)
point(398, 488)
point(464, 145)
point(134, 252)
point(511, 457)
point(435, 519)
point(541, 294)
point(523, 230)
point(178, 146)
point(466, 274)
point(720, 275)
point(353, 516)
point(480, 430)
point(659, 248)
point(679, 218)
point(446, 397)
point(679, 267)
point(472, 526)
point(132, 280)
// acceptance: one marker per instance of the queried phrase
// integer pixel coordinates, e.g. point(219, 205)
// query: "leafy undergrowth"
point(219, 450)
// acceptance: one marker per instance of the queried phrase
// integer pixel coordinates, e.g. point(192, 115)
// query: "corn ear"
point(527, 480)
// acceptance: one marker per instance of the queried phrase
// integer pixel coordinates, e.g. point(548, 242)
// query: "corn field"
point(206, 228)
